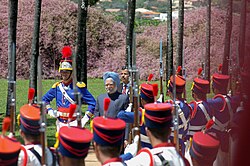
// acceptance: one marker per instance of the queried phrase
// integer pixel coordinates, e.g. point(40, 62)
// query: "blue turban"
point(112, 75)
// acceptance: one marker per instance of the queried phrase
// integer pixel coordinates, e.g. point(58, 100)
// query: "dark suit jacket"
point(118, 102)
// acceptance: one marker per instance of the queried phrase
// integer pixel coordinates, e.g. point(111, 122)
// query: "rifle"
point(130, 93)
point(11, 105)
point(77, 95)
point(161, 72)
point(136, 127)
point(203, 70)
point(175, 114)
point(184, 74)
point(135, 88)
point(43, 123)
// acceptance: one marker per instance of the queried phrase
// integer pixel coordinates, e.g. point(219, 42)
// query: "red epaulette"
point(223, 98)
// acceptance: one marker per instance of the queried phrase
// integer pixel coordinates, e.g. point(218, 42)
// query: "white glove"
point(160, 98)
point(129, 108)
point(52, 113)
point(84, 120)
point(132, 148)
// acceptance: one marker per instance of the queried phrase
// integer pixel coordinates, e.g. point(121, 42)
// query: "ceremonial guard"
point(146, 96)
point(204, 149)
point(73, 145)
point(118, 101)
point(9, 147)
point(64, 94)
point(29, 120)
point(108, 140)
point(158, 121)
point(202, 112)
point(224, 106)
point(184, 110)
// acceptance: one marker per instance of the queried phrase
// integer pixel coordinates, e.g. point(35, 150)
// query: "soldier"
point(184, 110)
point(9, 147)
point(108, 140)
point(204, 149)
point(73, 145)
point(118, 100)
point(63, 92)
point(224, 107)
point(146, 96)
point(124, 85)
point(29, 131)
point(202, 112)
point(158, 121)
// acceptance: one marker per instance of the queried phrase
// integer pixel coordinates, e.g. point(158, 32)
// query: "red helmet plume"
point(31, 93)
point(199, 71)
point(6, 124)
point(106, 103)
point(150, 77)
point(220, 67)
point(178, 70)
point(72, 109)
point(66, 52)
point(155, 89)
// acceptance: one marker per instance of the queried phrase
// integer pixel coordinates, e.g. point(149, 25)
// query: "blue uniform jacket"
point(61, 101)
point(223, 116)
point(198, 120)
point(186, 109)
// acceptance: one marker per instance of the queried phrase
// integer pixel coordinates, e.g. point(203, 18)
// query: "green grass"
point(95, 86)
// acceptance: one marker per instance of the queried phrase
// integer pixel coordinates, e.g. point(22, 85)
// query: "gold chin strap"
point(57, 140)
point(91, 126)
point(168, 83)
point(192, 87)
point(18, 119)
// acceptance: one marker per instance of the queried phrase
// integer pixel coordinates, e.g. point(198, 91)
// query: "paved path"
point(91, 159)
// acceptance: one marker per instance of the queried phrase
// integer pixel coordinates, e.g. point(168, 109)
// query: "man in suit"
point(118, 101)
point(124, 85)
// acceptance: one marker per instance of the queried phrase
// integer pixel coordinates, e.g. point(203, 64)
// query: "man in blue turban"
point(118, 101)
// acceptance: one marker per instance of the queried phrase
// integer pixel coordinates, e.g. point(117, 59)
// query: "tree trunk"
point(35, 47)
point(242, 33)
point(130, 31)
point(81, 52)
point(12, 24)
point(228, 32)
point(169, 56)
point(208, 32)
point(179, 59)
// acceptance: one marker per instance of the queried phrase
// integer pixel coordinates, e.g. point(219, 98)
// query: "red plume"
point(6, 124)
point(178, 70)
point(106, 103)
point(66, 52)
point(155, 89)
point(72, 108)
point(220, 67)
point(150, 77)
point(31, 93)
point(209, 124)
point(199, 71)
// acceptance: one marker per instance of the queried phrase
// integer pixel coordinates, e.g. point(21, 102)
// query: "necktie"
point(124, 89)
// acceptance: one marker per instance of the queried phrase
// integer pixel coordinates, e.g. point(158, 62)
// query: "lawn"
point(95, 86)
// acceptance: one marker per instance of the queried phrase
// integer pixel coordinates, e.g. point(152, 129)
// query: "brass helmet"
point(66, 62)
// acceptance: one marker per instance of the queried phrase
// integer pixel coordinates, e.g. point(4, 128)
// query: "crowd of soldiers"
point(206, 135)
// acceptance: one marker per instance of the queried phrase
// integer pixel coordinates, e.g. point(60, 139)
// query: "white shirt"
point(168, 153)
point(32, 159)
